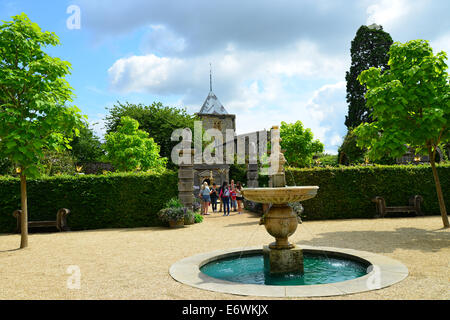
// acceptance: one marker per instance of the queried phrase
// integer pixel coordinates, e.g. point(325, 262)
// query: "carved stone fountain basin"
point(281, 195)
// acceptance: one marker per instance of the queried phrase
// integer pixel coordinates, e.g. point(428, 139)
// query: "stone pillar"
point(252, 175)
point(186, 182)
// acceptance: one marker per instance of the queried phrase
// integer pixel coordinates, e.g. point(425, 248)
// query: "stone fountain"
point(280, 221)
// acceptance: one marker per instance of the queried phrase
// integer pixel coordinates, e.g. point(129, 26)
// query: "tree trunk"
point(24, 215)
point(439, 192)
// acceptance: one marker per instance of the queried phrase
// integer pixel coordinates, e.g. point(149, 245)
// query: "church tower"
point(214, 115)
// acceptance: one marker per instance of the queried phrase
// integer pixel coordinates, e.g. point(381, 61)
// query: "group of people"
point(229, 195)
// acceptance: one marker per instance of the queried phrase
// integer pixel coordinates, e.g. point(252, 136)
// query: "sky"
point(272, 61)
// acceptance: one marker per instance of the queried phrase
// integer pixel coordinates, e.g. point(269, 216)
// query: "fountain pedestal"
point(279, 261)
point(281, 256)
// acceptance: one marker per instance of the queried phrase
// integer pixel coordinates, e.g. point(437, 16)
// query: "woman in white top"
point(204, 193)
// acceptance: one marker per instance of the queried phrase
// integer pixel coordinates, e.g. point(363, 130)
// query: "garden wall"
point(107, 201)
point(346, 192)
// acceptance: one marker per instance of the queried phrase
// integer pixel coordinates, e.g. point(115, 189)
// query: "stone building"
point(214, 116)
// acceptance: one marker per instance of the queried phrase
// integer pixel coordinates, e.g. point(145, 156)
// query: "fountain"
point(281, 268)
point(280, 221)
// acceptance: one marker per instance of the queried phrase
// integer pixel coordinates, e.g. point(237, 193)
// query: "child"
point(233, 203)
point(233, 197)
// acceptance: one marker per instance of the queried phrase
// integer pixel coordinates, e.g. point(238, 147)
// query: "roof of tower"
point(212, 105)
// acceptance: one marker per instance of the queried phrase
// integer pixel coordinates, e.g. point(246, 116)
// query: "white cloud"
point(441, 44)
point(328, 108)
point(150, 73)
point(387, 12)
point(162, 41)
point(139, 73)
point(261, 88)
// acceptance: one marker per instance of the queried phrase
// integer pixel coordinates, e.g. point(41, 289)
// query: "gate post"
point(186, 181)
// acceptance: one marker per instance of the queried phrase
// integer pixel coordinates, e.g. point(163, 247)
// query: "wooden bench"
point(60, 223)
point(414, 206)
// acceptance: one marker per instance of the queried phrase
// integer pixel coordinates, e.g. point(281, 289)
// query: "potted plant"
point(174, 216)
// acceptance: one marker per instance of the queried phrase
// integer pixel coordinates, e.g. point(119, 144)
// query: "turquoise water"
point(318, 269)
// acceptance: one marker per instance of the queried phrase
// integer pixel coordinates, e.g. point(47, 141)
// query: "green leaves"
point(130, 149)
point(410, 101)
point(157, 120)
point(299, 144)
point(33, 95)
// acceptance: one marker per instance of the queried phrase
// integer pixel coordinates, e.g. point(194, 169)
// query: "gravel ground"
point(134, 263)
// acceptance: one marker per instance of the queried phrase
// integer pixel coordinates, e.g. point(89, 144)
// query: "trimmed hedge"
point(119, 200)
point(346, 192)
point(127, 200)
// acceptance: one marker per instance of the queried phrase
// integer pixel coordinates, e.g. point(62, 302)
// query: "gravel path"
point(134, 263)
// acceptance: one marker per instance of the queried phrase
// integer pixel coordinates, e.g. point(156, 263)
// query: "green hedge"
point(346, 192)
point(108, 201)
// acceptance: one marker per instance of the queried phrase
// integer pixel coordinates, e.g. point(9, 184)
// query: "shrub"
point(118, 200)
point(198, 218)
point(173, 203)
point(346, 192)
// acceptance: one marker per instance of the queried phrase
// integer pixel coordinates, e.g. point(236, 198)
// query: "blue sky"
point(272, 61)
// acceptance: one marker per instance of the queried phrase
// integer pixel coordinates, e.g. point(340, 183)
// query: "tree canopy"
point(369, 48)
point(299, 144)
point(411, 105)
point(131, 149)
point(34, 115)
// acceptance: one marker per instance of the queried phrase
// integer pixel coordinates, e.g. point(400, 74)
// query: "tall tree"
point(299, 144)
point(369, 48)
point(34, 116)
point(411, 106)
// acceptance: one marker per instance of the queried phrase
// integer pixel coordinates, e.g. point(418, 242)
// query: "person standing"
point(225, 197)
point(233, 203)
point(239, 197)
point(233, 197)
point(206, 197)
point(214, 195)
point(219, 198)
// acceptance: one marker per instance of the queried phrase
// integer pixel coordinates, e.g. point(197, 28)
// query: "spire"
point(212, 105)
point(210, 77)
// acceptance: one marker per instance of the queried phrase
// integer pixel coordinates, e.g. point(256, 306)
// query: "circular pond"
point(328, 272)
point(318, 269)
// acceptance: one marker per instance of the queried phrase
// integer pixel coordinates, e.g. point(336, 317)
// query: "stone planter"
point(176, 223)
